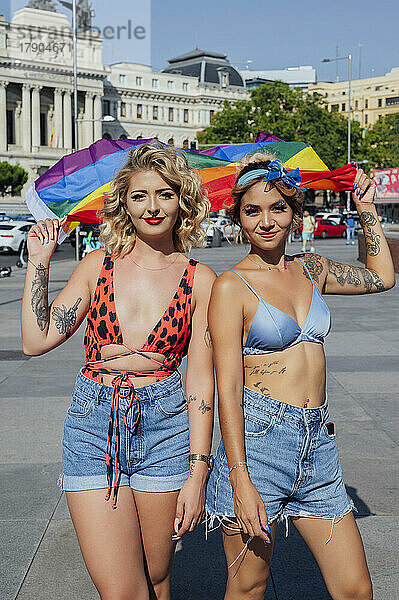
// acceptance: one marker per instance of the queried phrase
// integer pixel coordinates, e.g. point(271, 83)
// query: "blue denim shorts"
point(292, 461)
point(307, 236)
point(152, 458)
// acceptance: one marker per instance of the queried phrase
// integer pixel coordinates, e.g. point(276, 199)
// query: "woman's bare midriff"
point(293, 375)
point(130, 363)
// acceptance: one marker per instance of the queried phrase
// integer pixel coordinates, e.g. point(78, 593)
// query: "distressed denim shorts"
point(292, 461)
point(152, 458)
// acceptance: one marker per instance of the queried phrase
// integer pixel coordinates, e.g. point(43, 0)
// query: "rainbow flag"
point(73, 189)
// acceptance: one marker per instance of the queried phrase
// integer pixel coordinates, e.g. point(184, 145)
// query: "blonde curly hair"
point(117, 230)
point(261, 160)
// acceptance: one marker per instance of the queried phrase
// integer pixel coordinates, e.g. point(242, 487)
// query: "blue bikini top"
point(273, 330)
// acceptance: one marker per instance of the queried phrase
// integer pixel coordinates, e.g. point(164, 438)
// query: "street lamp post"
point(349, 59)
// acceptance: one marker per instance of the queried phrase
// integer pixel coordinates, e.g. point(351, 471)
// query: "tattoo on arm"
point(204, 407)
point(314, 265)
point(356, 276)
point(371, 238)
point(207, 338)
point(39, 301)
point(191, 399)
point(65, 318)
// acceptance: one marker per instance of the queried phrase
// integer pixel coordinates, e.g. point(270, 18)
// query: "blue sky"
point(271, 34)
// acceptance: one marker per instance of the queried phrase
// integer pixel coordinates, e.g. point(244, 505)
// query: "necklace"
point(159, 269)
point(267, 267)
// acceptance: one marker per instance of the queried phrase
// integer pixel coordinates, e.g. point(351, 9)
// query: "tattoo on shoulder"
point(65, 318)
point(204, 407)
point(39, 301)
point(207, 338)
point(314, 265)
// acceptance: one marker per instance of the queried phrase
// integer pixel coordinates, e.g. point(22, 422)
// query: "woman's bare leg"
point(157, 513)
point(111, 544)
point(247, 578)
point(342, 560)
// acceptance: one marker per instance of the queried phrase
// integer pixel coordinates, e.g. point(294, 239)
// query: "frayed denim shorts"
point(152, 458)
point(292, 461)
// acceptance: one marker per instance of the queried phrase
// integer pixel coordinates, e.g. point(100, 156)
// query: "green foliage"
point(381, 143)
point(284, 112)
point(12, 178)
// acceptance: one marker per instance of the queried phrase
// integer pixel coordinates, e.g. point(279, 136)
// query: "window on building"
point(155, 83)
point(392, 101)
point(155, 113)
point(185, 115)
point(211, 115)
point(344, 93)
point(170, 114)
point(185, 144)
point(170, 85)
point(356, 104)
point(106, 107)
point(10, 127)
point(356, 117)
point(107, 136)
point(122, 78)
point(139, 111)
point(123, 109)
point(43, 129)
point(139, 81)
point(185, 87)
point(343, 106)
point(378, 87)
point(334, 107)
point(366, 119)
point(366, 103)
point(171, 142)
point(379, 102)
point(123, 136)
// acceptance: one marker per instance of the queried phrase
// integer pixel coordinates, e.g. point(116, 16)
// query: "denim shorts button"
point(308, 415)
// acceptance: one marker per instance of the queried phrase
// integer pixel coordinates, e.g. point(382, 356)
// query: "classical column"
point(88, 119)
point(98, 129)
point(3, 116)
point(67, 120)
point(36, 117)
point(26, 120)
point(57, 119)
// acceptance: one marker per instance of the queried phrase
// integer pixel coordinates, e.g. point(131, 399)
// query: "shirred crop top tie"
point(170, 337)
point(273, 330)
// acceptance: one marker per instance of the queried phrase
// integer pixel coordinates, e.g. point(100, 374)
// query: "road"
point(40, 554)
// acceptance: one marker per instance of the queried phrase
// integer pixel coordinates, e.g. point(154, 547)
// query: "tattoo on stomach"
point(271, 368)
point(261, 388)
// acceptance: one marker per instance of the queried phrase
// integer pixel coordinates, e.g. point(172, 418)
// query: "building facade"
point(295, 76)
point(116, 101)
point(371, 98)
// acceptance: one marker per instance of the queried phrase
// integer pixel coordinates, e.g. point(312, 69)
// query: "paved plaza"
point(40, 557)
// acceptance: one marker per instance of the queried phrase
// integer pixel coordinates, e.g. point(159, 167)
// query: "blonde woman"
point(132, 442)
point(278, 457)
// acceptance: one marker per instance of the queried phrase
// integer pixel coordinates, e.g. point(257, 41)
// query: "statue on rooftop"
point(42, 5)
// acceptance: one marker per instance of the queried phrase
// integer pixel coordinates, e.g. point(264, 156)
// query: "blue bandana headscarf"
point(275, 170)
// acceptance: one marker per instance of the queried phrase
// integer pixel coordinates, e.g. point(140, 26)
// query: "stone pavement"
point(40, 555)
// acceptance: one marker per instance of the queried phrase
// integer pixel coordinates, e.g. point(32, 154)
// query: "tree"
point(12, 178)
point(284, 112)
point(381, 143)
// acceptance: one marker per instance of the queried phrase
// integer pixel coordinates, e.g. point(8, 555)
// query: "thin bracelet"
point(238, 464)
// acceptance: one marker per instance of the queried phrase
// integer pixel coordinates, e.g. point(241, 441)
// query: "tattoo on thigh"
point(39, 301)
point(65, 318)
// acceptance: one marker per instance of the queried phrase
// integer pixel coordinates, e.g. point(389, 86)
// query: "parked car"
point(334, 216)
point(329, 228)
point(13, 234)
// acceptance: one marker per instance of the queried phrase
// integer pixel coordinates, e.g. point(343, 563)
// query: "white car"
point(13, 234)
point(226, 226)
point(332, 216)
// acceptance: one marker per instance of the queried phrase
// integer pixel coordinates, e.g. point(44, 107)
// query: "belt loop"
point(280, 414)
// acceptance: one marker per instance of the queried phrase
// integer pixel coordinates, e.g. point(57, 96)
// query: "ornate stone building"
point(119, 100)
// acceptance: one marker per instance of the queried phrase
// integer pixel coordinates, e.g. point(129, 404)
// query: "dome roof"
point(209, 67)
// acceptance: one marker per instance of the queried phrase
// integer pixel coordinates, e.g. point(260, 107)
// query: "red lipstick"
point(154, 220)
point(269, 235)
